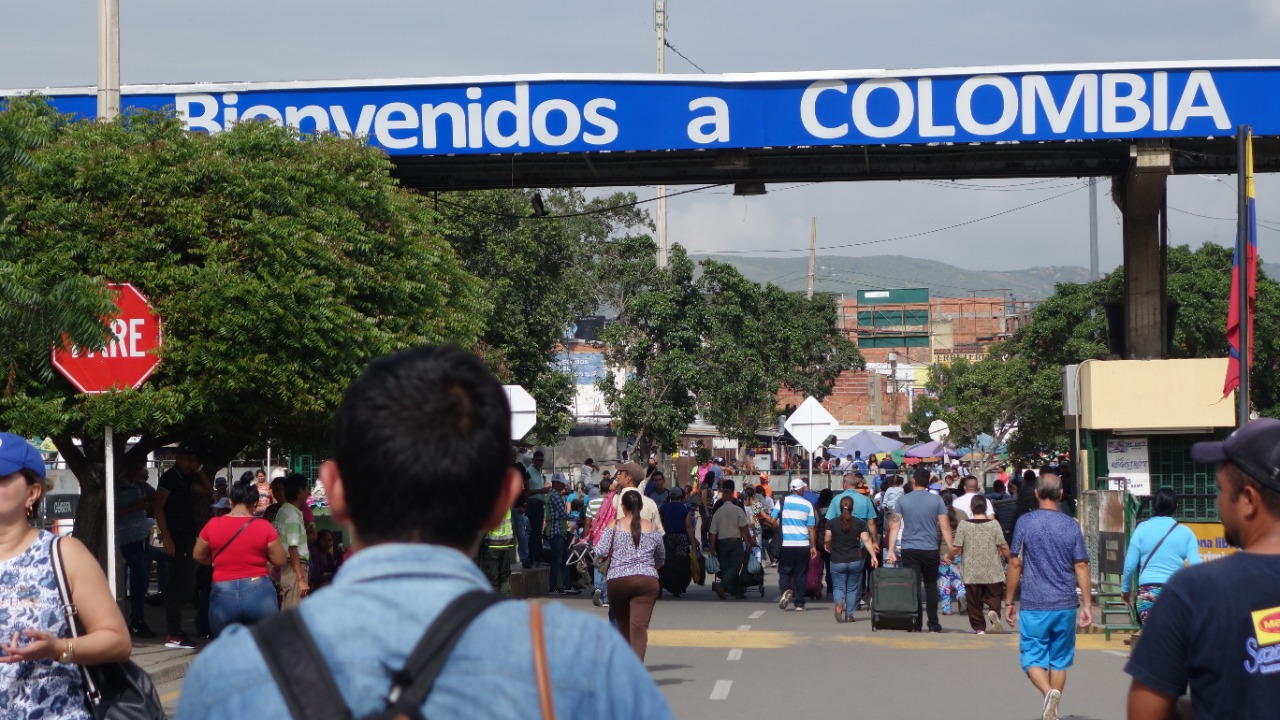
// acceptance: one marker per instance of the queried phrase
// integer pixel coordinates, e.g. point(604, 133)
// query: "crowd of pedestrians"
point(435, 557)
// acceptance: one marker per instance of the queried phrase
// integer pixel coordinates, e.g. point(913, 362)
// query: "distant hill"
point(840, 274)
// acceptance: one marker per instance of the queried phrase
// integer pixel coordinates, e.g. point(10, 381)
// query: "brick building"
point(900, 333)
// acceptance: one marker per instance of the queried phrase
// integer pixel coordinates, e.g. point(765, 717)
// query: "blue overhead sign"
point(625, 113)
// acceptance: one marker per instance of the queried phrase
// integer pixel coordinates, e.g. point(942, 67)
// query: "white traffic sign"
point(524, 410)
point(811, 424)
point(939, 431)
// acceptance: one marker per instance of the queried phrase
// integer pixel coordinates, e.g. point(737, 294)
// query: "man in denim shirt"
point(421, 448)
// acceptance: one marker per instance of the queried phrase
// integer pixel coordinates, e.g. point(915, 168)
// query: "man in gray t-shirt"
point(917, 517)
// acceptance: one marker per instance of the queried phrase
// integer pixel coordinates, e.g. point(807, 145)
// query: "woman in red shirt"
point(239, 545)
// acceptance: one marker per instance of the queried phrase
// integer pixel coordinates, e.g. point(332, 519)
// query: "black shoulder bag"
point(233, 539)
point(1145, 563)
point(113, 691)
point(307, 684)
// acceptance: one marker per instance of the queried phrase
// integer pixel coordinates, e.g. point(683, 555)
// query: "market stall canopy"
point(866, 442)
point(931, 449)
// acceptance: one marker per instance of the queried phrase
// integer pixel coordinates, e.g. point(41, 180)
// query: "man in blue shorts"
point(1048, 553)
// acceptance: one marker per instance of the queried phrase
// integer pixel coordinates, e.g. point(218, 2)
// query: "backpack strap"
point(307, 685)
point(411, 686)
point(300, 671)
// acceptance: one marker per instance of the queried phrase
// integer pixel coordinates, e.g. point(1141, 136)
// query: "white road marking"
point(744, 627)
point(756, 615)
point(721, 691)
point(735, 654)
point(1117, 653)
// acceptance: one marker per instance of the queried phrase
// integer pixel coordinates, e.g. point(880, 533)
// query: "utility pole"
point(108, 59)
point(1093, 229)
point(813, 250)
point(108, 108)
point(660, 24)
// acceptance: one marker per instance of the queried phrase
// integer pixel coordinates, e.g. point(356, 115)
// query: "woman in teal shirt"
point(1159, 548)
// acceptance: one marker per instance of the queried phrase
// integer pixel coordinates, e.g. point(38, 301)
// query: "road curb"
point(170, 670)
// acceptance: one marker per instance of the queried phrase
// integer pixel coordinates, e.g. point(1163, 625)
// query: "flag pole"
point(1242, 255)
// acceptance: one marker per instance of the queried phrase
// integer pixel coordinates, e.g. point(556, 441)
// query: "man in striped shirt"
point(798, 524)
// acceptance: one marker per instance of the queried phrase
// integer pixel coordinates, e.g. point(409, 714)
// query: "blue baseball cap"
point(1254, 448)
point(16, 454)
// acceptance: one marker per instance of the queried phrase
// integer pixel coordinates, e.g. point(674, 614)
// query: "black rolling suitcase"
point(895, 599)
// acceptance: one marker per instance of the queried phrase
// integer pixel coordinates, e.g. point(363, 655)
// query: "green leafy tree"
point(540, 275)
point(758, 338)
point(33, 317)
point(1018, 386)
point(280, 265)
point(713, 344)
point(654, 346)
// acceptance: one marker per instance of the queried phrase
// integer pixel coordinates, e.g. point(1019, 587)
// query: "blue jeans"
point(520, 526)
point(245, 601)
point(600, 585)
point(135, 562)
point(846, 585)
point(535, 512)
point(559, 572)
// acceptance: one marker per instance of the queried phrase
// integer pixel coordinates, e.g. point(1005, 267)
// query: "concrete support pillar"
point(1140, 195)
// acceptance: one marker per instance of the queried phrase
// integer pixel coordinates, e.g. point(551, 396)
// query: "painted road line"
point(1117, 653)
point(721, 690)
point(754, 640)
point(170, 697)
point(743, 628)
point(756, 615)
point(735, 654)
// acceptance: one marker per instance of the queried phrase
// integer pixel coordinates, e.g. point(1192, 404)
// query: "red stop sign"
point(129, 357)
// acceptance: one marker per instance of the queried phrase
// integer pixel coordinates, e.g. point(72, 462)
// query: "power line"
point(1019, 187)
point(597, 211)
point(898, 237)
point(682, 55)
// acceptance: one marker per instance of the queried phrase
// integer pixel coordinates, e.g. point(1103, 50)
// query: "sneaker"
point(785, 601)
point(993, 620)
point(799, 609)
point(1050, 711)
point(979, 632)
point(555, 591)
point(719, 590)
point(935, 628)
point(572, 591)
point(839, 612)
point(597, 597)
point(179, 641)
point(140, 630)
point(605, 605)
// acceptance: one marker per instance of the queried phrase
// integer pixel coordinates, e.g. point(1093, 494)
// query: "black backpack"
point(1004, 509)
point(307, 685)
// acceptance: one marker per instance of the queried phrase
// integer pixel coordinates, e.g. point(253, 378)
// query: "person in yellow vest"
point(496, 555)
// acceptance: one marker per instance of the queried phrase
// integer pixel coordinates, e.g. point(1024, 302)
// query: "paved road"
point(740, 660)
point(747, 659)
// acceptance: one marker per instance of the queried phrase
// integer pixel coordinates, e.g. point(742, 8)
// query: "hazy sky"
point(52, 43)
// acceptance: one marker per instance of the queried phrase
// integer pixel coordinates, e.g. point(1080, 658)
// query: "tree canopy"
point(540, 274)
point(280, 264)
point(712, 344)
point(1015, 392)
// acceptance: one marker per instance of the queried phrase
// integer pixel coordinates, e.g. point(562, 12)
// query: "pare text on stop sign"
point(126, 343)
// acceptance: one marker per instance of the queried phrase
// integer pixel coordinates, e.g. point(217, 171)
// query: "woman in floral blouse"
point(635, 551)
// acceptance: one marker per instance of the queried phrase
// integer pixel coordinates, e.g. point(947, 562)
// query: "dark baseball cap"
point(16, 455)
point(1254, 448)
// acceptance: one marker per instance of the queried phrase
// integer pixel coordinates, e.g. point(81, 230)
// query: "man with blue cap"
point(1216, 627)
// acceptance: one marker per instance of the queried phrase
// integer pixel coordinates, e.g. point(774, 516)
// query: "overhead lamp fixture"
point(749, 188)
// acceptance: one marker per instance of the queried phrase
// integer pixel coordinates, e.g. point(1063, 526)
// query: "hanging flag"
point(1235, 313)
